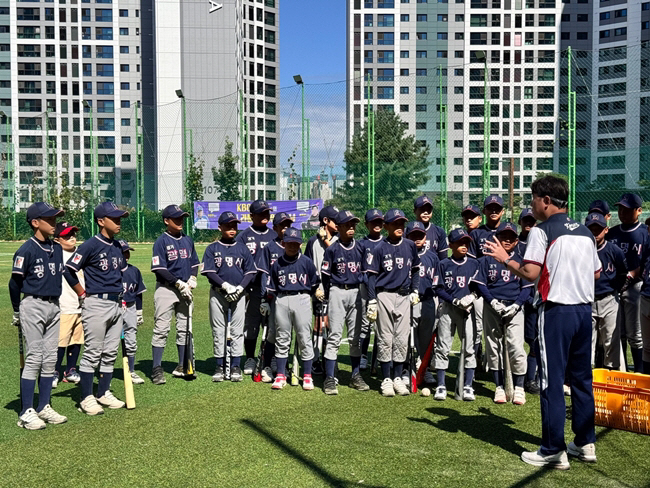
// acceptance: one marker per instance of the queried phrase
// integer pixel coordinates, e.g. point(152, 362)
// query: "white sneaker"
point(520, 396)
point(274, 365)
point(586, 453)
point(109, 400)
point(387, 388)
point(429, 379)
point(267, 375)
point(468, 394)
point(249, 366)
point(136, 379)
point(30, 420)
point(280, 382)
point(90, 406)
point(500, 395)
point(441, 394)
point(556, 461)
point(55, 380)
point(400, 387)
point(406, 378)
point(51, 416)
point(307, 382)
point(567, 390)
point(364, 362)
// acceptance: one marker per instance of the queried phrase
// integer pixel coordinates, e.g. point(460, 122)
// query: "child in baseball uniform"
point(176, 266)
point(71, 333)
point(263, 262)
point(229, 267)
point(454, 312)
point(132, 303)
point(341, 275)
point(436, 237)
point(471, 216)
point(293, 281)
point(504, 294)
point(102, 261)
point(36, 273)
point(393, 269)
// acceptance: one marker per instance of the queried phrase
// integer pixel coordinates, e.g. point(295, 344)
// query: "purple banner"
point(303, 212)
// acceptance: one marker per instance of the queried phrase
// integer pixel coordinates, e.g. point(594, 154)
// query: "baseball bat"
point(188, 362)
point(257, 371)
point(226, 347)
point(426, 360)
point(460, 378)
point(506, 363)
point(128, 382)
point(414, 381)
point(373, 365)
point(295, 367)
point(21, 352)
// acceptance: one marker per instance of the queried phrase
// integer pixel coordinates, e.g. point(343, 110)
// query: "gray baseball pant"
point(130, 324)
point(166, 302)
point(39, 322)
point(219, 308)
point(493, 325)
point(344, 309)
point(645, 327)
point(102, 321)
point(603, 320)
point(450, 320)
point(293, 311)
point(629, 315)
point(477, 317)
point(393, 326)
point(424, 313)
point(253, 316)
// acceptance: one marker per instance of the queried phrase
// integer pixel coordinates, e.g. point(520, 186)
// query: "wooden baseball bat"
point(128, 383)
point(509, 387)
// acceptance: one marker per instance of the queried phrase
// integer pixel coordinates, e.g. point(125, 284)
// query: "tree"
point(195, 179)
point(400, 167)
point(226, 178)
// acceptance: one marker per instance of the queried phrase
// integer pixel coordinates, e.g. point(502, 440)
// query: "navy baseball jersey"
point(230, 261)
point(393, 264)
point(632, 239)
point(455, 276)
point(479, 236)
point(255, 240)
point(614, 272)
point(520, 248)
point(133, 284)
point(429, 277)
point(293, 276)
point(343, 263)
point(436, 240)
point(370, 244)
point(265, 259)
point(103, 264)
point(40, 263)
point(502, 283)
point(175, 254)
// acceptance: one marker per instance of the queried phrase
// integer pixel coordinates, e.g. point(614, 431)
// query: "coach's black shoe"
point(158, 376)
point(532, 387)
point(357, 383)
point(329, 386)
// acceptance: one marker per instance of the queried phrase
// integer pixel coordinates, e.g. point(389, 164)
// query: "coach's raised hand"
point(495, 249)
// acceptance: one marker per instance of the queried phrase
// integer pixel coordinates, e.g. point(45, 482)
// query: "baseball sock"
point(104, 383)
point(181, 353)
point(397, 370)
point(157, 355)
point(330, 366)
point(249, 347)
point(282, 365)
point(519, 380)
point(27, 388)
point(131, 363)
point(73, 355)
point(60, 354)
point(440, 373)
point(86, 384)
point(220, 362)
point(44, 392)
point(498, 377)
point(306, 366)
point(355, 361)
point(531, 364)
point(385, 369)
point(469, 376)
point(235, 362)
point(269, 352)
point(365, 345)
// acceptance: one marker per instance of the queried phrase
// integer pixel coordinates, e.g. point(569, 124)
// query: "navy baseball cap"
point(630, 200)
point(600, 206)
point(125, 246)
point(374, 214)
point(393, 215)
point(596, 218)
point(471, 209)
point(228, 217)
point(507, 227)
point(174, 212)
point(260, 206)
point(458, 234)
point(291, 234)
point(493, 199)
point(63, 229)
point(109, 209)
point(281, 217)
point(527, 212)
point(42, 209)
point(423, 200)
point(345, 216)
point(415, 226)
point(328, 212)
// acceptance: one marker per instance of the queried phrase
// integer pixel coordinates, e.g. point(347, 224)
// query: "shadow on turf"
point(327, 477)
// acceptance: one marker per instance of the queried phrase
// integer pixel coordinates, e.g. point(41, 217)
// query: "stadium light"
point(179, 94)
point(298, 79)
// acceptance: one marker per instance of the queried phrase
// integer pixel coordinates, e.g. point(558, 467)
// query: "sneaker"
point(136, 379)
point(364, 362)
point(109, 400)
point(406, 378)
point(357, 383)
point(178, 372)
point(556, 461)
point(307, 382)
point(532, 387)
point(55, 380)
point(267, 375)
point(329, 386)
point(567, 390)
point(500, 395)
point(400, 387)
point(51, 416)
point(249, 366)
point(317, 369)
point(520, 396)
point(280, 381)
point(274, 365)
point(30, 420)
point(218, 375)
point(387, 388)
point(157, 376)
point(441, 394)
point(71, 377)
point(586, 453)
point(468, 394)
point(235, 374)
point(90, 406)
point(429, 379)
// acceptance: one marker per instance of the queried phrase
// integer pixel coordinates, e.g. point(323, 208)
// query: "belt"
point(290, 293)
point(400, 290)
point(603, 295)
point(113, 297)
point(128, 304)
point(347, 287)
point(45, 299)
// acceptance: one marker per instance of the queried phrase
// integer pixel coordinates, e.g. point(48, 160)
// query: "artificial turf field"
point(201, 433)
